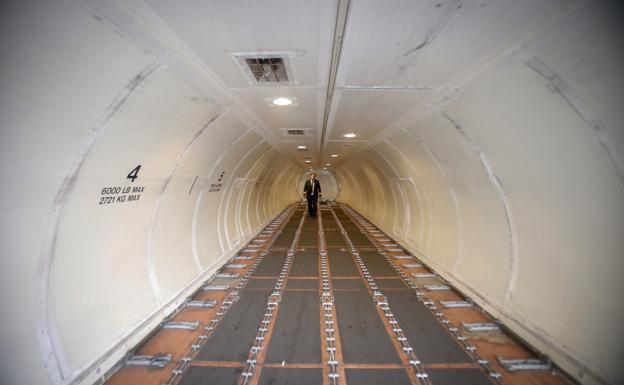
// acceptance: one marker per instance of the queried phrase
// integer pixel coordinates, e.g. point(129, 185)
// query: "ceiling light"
point(324, 168)
point(334, 155)
point(347, 135)
point(282, 102)
point(327, 164)
point(301, 147)
point(308, 161)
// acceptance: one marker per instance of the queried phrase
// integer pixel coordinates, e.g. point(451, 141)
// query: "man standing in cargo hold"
point(312, 192)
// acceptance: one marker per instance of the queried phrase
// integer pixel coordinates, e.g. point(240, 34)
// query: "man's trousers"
point(312, 201)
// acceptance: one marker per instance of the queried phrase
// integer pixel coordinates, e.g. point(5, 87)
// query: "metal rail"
point(470, 349)
point(328, 307)
point(273, 301)
point(382, 302)
point(229, 300)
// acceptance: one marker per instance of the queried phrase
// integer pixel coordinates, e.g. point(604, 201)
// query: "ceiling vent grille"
point(266, 68)
point(295, 132)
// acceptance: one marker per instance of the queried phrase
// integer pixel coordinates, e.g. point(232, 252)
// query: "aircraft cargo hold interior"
point(470, 164)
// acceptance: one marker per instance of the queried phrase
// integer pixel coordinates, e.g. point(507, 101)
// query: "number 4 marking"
point(134, 173)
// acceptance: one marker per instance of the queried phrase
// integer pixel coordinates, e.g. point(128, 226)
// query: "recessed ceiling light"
point(324, 168)
point(282, 102)
point(301, 147)
point(308, 161)
point(334, 155)
point(347, 135)
point(327, 164)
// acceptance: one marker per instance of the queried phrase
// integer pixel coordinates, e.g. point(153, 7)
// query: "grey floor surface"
point(296, 335)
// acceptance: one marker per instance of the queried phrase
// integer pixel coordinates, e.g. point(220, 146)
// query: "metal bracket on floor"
point(215, 287)
point(437, 287)
point(228, 275)
point(181, 325)
point(236, 266)
point(480, 327)
point(155, 361)
point(412, 265)
point(514, 365)
point(201, 304)
point(451, 304)
point(424, 275)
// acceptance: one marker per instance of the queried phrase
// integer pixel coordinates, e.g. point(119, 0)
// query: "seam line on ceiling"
point(339, 32)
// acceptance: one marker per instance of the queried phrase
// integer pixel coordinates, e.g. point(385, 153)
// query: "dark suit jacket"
point(307, 189)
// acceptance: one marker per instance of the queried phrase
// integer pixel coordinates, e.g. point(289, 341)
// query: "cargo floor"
point(322, 301)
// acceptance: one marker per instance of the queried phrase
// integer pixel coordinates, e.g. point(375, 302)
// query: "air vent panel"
point(298, 132)
point(266, 68)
